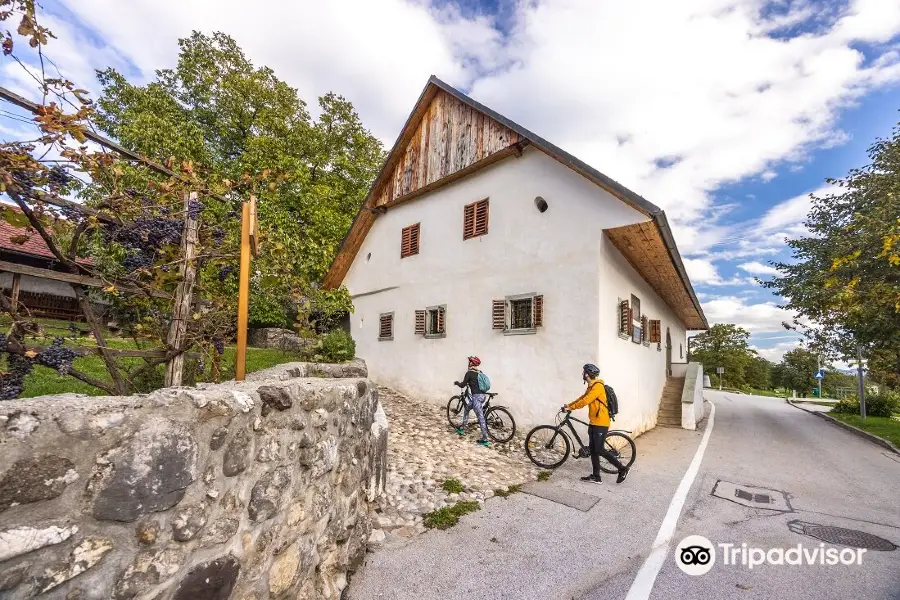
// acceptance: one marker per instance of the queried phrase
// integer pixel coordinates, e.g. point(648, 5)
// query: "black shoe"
point(622, 475)
point(591, 478)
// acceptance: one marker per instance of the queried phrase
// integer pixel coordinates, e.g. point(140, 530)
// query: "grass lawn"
point(43, 381)
point(819, 402)
point(770, 393)
point(883, 427)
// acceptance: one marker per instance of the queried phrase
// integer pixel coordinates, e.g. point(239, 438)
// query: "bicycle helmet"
point(474, 360)
point(591, 370)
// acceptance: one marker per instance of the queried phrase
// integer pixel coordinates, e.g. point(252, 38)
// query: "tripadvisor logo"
point(696, 555)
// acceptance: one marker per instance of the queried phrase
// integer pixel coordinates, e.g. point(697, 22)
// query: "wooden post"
point(181, 310)
point(240, 359)
point(14, 304)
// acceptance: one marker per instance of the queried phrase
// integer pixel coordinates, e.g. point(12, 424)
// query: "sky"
point(726, 113)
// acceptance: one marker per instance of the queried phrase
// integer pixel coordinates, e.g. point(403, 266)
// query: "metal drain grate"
point(751, 496)
point(844, 537)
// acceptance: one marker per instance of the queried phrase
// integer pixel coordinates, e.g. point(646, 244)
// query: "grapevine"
point(57, 356)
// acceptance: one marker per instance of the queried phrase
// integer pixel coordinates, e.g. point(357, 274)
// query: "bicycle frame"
point(568, 421)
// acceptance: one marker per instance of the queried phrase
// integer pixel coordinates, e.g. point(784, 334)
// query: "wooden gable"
point(449, 138)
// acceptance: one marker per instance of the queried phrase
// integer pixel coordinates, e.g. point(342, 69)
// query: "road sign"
point(820, 374)
point(720, 370)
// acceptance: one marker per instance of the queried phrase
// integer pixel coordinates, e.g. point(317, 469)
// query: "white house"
point(479, 237)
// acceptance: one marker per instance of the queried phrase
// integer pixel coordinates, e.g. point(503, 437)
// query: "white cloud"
point(704, 272)
point(762, 317)
point(757, 268)
point(776, 353)
point(668, 116)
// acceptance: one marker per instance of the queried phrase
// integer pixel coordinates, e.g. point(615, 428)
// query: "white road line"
point(646, 577)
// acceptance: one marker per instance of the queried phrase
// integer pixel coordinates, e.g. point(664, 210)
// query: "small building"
point(480, 237)
point(41, 296)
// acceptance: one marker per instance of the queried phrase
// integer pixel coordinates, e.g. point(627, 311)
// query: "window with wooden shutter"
point(498, 314)
point(420, 322)
point(475, 219)
point(436, 321)
point(655, 331)
point(386, 327)
point(645, 330)
point(409, 241)
point(538, 311)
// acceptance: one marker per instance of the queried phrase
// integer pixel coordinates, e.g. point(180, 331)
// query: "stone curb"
point(861, 433)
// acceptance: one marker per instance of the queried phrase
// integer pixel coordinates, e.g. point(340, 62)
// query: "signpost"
point(249, 244)
point(720, 371)
point(820, 374)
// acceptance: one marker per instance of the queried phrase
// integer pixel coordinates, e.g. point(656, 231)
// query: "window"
point(432, 322)
point(625, 323)
point(656, 333)
point(645, 330)
point(475, 219)
point(637, 328)
point(409, 241)
point(680, 350)
point(518, 314)
point(386, 327)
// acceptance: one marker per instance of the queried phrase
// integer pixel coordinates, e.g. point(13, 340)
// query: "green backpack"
point(484, 382)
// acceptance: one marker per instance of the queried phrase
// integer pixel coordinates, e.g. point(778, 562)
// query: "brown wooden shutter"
point(469, 221)
point(538, 311)
point(409, 241)
point(420, 322)
point(655, 337)
point(645, 333)
point(386, 327)
point(475, 219)
point(481, 217)
point(441, 321)
point(631, 321)
point(624, 317)
point(498, 314)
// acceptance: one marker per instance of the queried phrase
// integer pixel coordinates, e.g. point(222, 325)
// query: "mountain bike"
point(548, 446)
point(501, 426)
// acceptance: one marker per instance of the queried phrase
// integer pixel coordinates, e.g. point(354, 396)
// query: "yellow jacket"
point(595, 399)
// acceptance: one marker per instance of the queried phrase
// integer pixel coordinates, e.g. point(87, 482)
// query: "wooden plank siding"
point(449, 138)
point(643, 247)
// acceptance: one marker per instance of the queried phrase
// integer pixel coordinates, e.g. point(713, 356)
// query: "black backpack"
point(612, 403)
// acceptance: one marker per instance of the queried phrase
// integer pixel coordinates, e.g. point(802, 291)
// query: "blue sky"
point(726, 113)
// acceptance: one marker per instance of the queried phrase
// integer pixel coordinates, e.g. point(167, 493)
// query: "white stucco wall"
point(38, 286)
point(562, 254)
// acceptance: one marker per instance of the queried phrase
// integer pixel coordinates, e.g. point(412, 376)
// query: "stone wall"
point(276, 337)
point(249, 490)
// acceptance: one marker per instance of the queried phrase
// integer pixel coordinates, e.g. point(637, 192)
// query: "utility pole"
point(862, 385)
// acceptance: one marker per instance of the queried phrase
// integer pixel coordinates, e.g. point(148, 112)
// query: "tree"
point(758, 373)
point(845, 276)
point(723, 345)
point(215, 107)
point(799, 369)
point(131, 225)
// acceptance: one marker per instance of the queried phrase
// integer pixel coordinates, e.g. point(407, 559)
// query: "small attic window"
point(541, 204)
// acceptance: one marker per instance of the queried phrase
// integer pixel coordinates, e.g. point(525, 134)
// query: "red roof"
point(33, 246)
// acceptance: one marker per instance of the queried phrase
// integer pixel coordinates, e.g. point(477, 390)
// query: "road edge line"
point(643, 583)
point(852, 429)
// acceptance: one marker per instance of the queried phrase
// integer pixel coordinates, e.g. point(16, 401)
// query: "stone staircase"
point(670, 404)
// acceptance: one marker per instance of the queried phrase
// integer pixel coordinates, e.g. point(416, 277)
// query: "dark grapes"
point(13, 381)
point(219, 344)
point(57, 356)
point(218, 236)
point(195, 207)
point(224, 272)
point(3, 346)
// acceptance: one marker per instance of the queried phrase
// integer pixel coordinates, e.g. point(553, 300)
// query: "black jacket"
point(471, 380)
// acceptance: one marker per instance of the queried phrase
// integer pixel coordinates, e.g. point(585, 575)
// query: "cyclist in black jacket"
point(477, 398)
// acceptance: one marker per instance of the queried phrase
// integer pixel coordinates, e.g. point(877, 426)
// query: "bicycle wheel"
point(455, 409)
point(500, 424)
point(622, 447)
point(547, 447)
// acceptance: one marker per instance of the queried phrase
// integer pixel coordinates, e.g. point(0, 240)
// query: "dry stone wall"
point(254, 490)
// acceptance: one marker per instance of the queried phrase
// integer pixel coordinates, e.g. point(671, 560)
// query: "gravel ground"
point(423, 452)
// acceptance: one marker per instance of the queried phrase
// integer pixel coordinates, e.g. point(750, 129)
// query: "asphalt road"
point(529, 547)
point(828, 476)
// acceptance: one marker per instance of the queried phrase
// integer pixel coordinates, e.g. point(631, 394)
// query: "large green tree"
point(723, 345)
point(758, 373)
point(217, 109)
point(845, 276)
point(799, 369)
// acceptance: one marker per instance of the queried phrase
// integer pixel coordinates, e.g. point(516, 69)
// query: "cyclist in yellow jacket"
point(595, 399)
